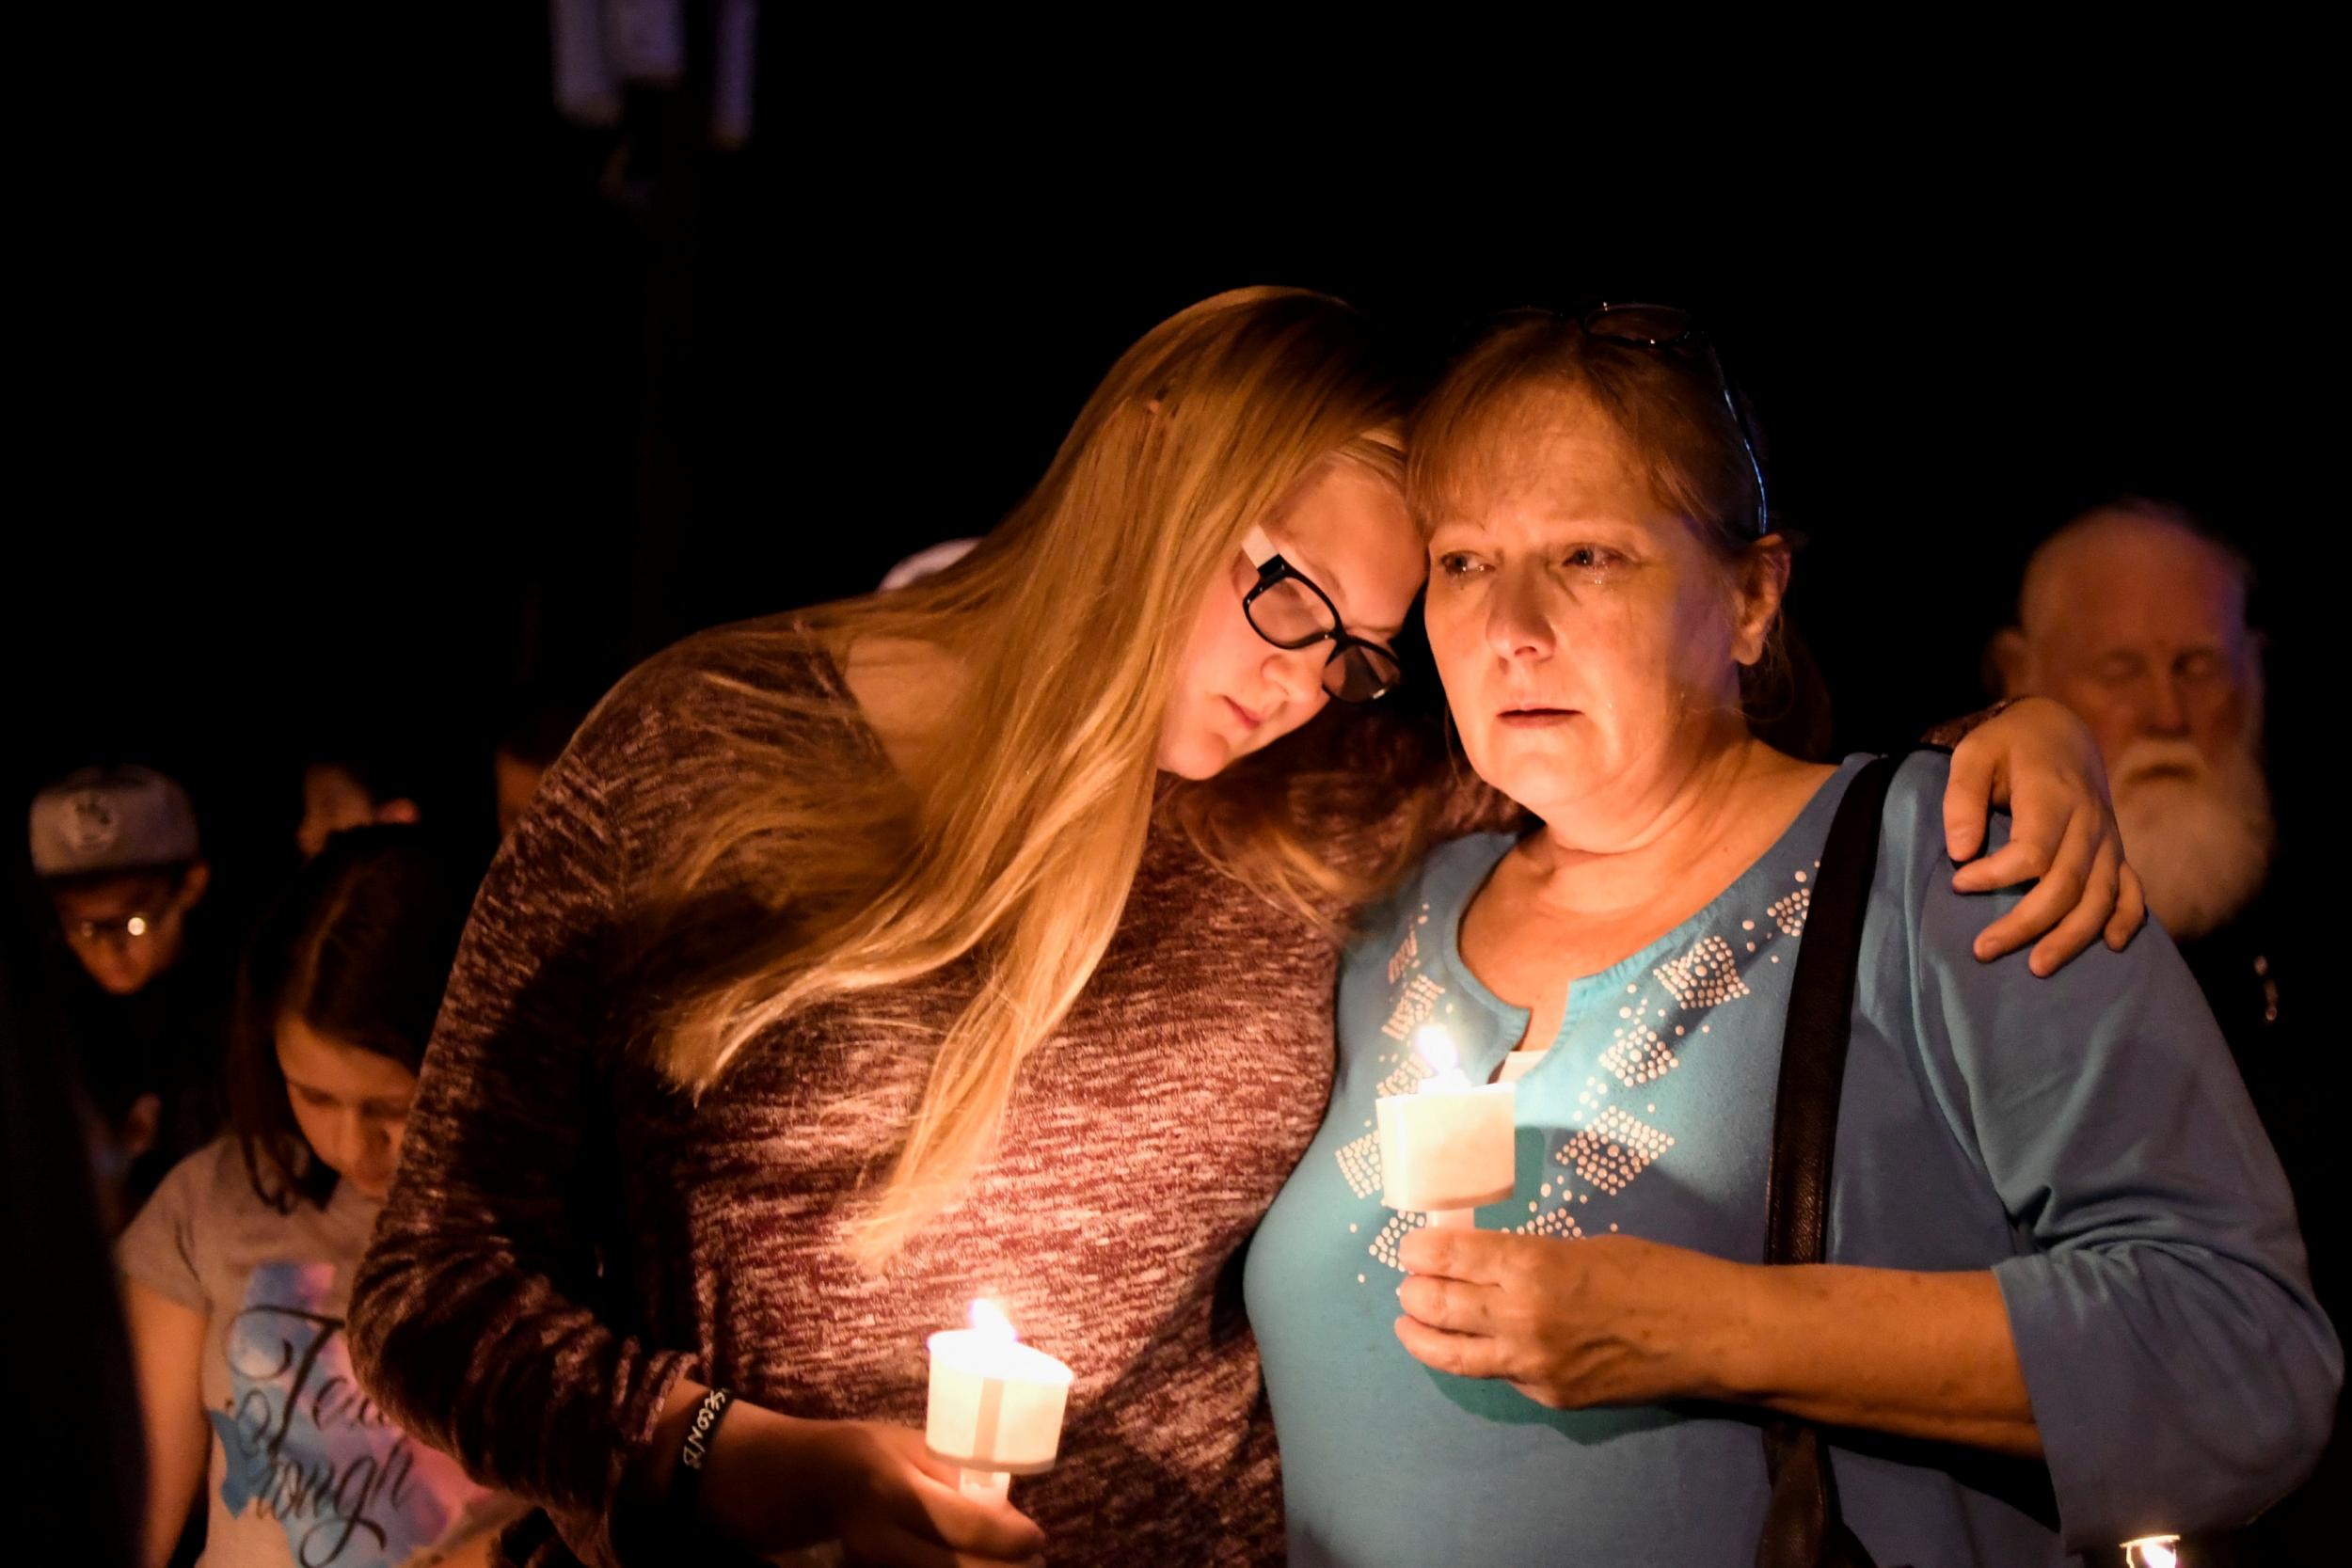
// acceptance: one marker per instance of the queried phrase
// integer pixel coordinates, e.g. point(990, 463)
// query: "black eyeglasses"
point(1286, 609)
point(1666, 327)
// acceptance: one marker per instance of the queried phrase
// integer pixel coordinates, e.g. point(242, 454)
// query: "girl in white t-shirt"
point(237, 1270)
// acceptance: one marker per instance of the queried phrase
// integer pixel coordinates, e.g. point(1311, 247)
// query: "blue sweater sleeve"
point(2182, 1374)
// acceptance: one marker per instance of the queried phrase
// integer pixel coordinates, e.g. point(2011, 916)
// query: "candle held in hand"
point(995, 1404)
point(1449, 1145)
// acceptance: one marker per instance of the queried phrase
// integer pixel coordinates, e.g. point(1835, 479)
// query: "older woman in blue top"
point(2067, 1303)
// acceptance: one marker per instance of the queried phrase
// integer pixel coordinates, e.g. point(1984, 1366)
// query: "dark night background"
point(356, 389)
point(376, 388)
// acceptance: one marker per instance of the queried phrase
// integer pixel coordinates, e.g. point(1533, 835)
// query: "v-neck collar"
point(1585, 991)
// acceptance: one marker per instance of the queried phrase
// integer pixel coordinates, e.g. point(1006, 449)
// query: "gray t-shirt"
point(306, 1472)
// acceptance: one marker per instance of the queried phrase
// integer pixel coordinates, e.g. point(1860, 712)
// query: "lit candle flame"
point(2153, 1551)
point(989, 1318)
point(1435, 1047)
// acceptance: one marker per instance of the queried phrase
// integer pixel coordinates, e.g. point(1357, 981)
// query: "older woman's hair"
point(1669, 405)
point(359, 949)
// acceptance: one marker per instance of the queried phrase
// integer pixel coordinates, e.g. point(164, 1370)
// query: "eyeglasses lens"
point(1289, 615)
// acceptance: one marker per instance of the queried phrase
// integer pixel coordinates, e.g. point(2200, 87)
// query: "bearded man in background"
point(2135, 616)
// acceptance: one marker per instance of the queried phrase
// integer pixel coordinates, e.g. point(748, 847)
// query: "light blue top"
point(2083, 1137)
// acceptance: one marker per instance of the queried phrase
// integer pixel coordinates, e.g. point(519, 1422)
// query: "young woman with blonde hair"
point(973, 940)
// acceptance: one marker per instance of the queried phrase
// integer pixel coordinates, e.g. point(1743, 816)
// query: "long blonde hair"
point(1016, 839)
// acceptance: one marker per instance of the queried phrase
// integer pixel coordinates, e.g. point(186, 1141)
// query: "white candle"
point(2153, 1551)
point(995, 1404)
point(1449, 1146)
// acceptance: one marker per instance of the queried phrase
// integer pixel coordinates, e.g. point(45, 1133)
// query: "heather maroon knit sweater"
point(567, 1235)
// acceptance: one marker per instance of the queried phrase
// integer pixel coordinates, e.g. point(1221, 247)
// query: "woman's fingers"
point(936, 1511)
point(2024, 859)
point(1453, 1305)
point(1463, 1354)
point(886, 1545)
point(2131, 908)
point(1479, 1256)
point(919, 1454)
point(2058, 892)
point(1968, 799)
point(2088, 917)
point(2044, 819)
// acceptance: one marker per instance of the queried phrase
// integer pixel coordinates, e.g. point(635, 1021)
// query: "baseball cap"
point(111, 820)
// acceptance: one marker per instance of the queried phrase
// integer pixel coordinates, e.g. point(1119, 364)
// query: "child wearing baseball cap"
point(117, 850)
point(145, 1005)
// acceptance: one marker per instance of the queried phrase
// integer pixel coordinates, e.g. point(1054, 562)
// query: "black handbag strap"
point(1803, 1526)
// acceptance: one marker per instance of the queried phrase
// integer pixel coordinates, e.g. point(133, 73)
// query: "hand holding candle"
point(1450, 1146)
point(995, 1411)
point(804, 1493)
point(995, 1404)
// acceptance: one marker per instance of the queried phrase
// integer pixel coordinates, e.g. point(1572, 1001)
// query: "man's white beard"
point(2199, 835)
